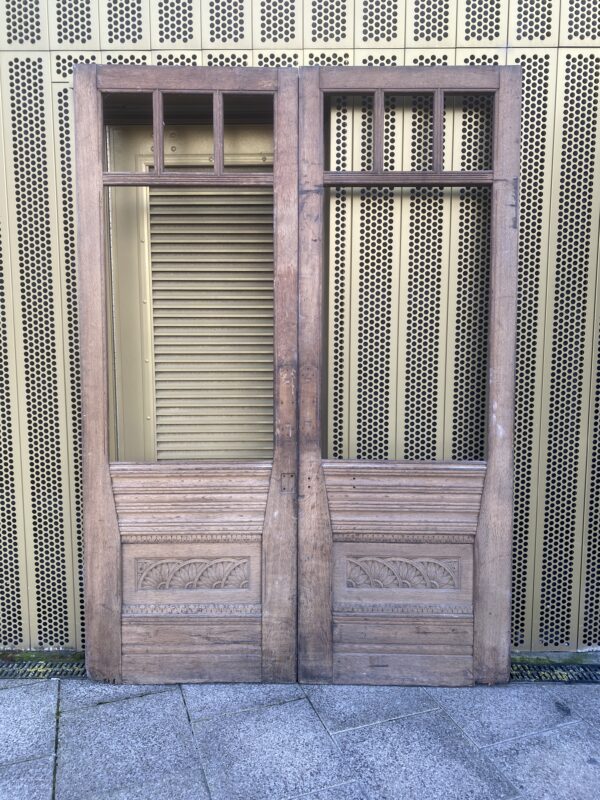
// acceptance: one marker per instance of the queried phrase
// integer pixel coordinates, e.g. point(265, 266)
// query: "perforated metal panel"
point(558, 560)
point(438, 238)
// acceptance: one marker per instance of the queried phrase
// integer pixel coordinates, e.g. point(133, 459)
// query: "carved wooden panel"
point(403, 570)
point(191, 569)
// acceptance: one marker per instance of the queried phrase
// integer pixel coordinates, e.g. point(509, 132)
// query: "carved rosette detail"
point(193, 573)
point(372, 572)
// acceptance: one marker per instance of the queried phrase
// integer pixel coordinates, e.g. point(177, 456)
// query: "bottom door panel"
point(403, 540)
point(191, 555)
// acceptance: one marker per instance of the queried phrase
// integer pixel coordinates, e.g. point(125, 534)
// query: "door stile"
point(279, 575)
point(315, 544)
point(493, 542)
point(101, 532)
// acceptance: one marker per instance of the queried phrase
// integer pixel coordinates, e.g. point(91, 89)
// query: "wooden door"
point(404, 566)
point(190, 563)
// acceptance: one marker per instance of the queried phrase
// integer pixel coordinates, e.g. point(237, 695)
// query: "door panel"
point(404, 565)
point(190, 556)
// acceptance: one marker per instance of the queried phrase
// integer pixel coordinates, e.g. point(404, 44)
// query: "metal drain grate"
point(557, 673)
point(72, 666)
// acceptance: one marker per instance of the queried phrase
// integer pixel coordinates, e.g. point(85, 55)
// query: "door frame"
point(493, 539)
point(102, 539)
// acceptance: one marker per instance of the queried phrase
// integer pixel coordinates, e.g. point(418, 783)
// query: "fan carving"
point(193, 573)
point(372, 572)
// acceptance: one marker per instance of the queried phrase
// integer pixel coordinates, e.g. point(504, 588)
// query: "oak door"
point(404, 564)
point(188, 257)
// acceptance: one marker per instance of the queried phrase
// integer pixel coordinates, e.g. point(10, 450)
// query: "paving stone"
point(489, 714)
point(27, 779)
point(78, 693)
point(15, 683)
point(270, 752)
point(562, 764)
point(424, 756)
point(28, 721)
point(583, 699)
point(348, 791)
point(213, 699)
point(125, 745)
point(343, 707)
point(175, 787)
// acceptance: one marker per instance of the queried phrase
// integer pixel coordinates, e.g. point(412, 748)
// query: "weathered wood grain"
point(280, 536)
point(493, 543)
point(314, 531)
point(101, 533)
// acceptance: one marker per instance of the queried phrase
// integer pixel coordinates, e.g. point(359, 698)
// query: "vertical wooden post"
point(315, 547)
point(279, 575)
point(101, 533)
point(493, 543)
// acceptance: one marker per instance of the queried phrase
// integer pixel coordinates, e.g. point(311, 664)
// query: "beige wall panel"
point(329, 58)
point(62, 64)
point(277, 25)
point(177, 58)
point(379, 24)
point(534, 23)
point(175, 25)
point(226, 24)
point(135, 57)
point(365, 56)
point(15, 613)
point(328, 24)
point(24, 25)
point(537, 150)
point(43, 425)
point(482, 22)
point(579, 23)
point(567, 352)
point(227, 58)
point(589, 601)
point(124, 25)
point(430, 24)
point(73, 24)
point(289, 57)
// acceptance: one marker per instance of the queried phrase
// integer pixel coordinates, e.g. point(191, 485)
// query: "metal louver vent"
point(212, 294)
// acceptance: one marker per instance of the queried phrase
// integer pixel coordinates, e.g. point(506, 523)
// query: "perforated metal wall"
point(438, 237)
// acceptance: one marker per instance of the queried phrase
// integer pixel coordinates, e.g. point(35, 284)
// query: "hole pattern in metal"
point(572, 275)
point(73, 21)
point(175, 21)
point(11, 612)
point(534, 135)
point(42, 406)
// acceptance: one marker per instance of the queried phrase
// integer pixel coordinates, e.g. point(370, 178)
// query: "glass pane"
point(128, 131)
point(408, 133)
point(191, 282)
point(468, 121)
point(248, 132)
point(188, 131)
point(407, 313)
point(349, 131)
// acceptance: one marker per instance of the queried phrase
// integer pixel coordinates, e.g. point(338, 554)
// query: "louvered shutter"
point(211, 256)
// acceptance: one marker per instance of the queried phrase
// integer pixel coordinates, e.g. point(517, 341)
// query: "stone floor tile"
point(15, 683)
point(213, 699)
point(125, 745)
point(270, 752)
point(27, 779)
point(28, 721)
point(342, 707)
point(79, 693)
point(176, 787)
point(348, 791)
point(582, 698)
point(424, 756)
point(489, 714)
point(563, 764)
